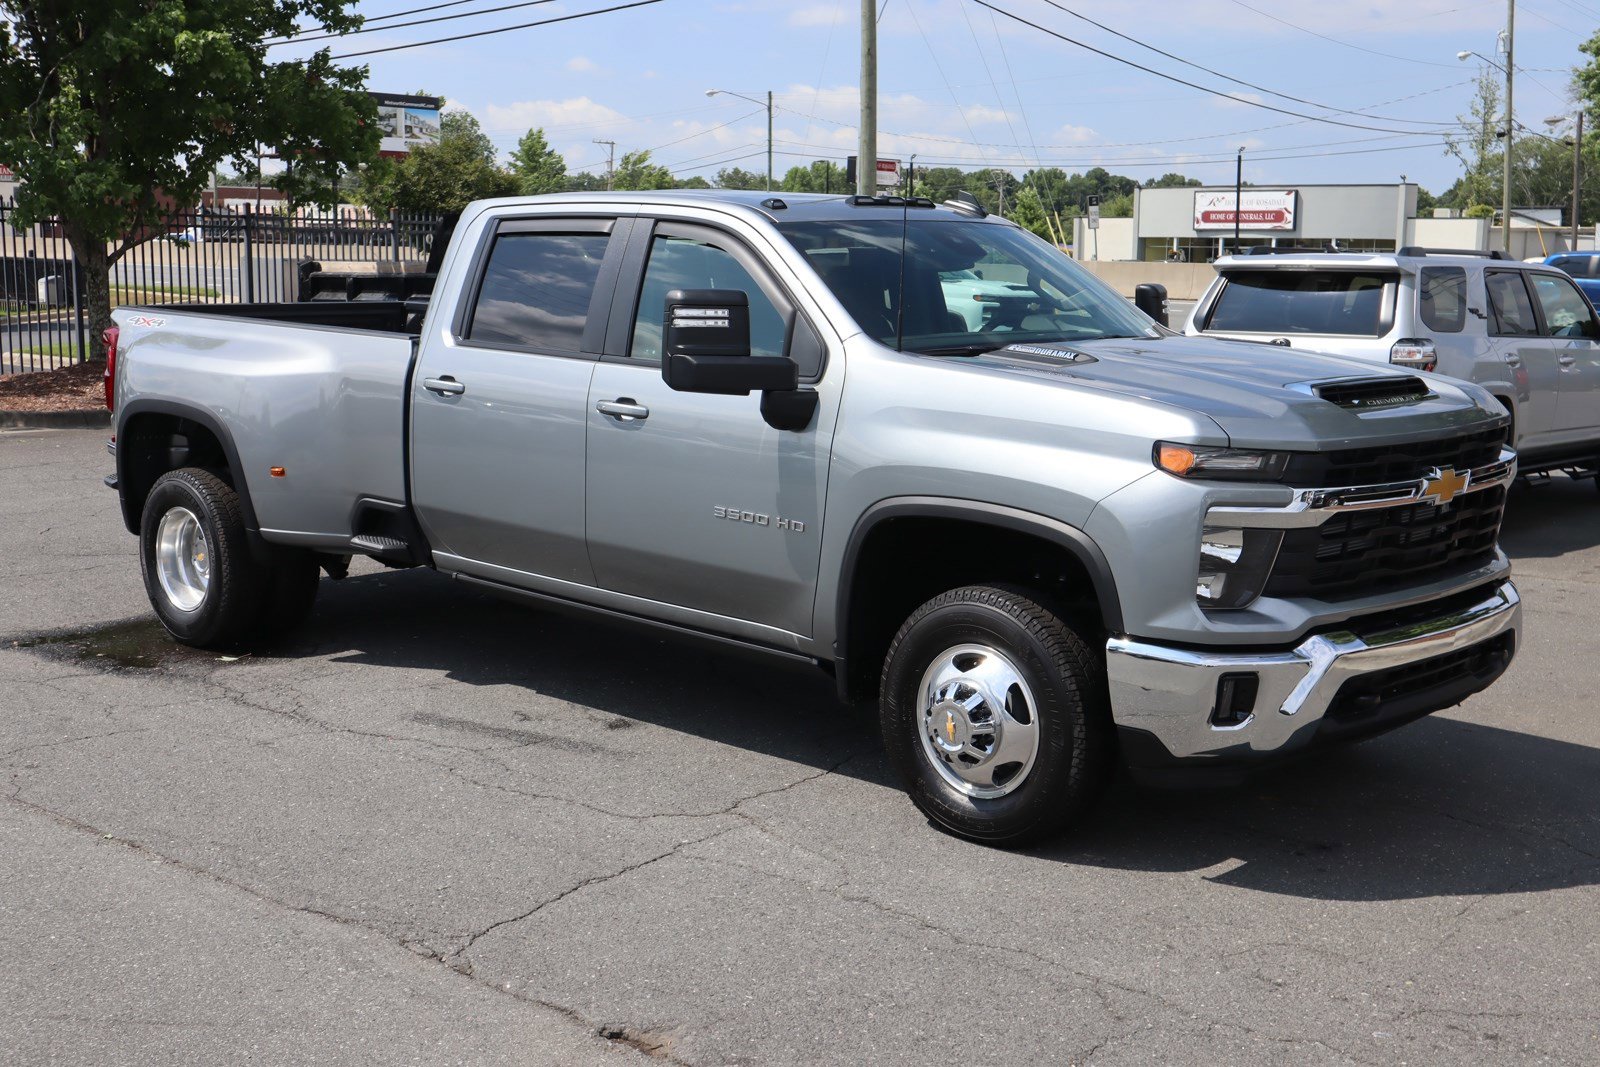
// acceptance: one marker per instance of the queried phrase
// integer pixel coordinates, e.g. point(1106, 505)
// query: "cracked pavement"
point(436, 827)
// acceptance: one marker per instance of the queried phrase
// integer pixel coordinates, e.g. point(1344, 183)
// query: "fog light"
point(1234, 565)
point(1236, 699)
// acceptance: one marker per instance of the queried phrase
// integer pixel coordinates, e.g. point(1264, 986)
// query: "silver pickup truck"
point(908, 443)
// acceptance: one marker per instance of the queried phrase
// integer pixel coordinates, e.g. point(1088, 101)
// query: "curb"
point(54, 420)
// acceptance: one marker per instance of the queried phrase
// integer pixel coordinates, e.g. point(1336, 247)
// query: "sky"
point(965, 84)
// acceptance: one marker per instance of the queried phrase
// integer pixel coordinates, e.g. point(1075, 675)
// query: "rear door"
point(1529, 355)
point(1569, 321)
point(693, 500)
point(498, 398)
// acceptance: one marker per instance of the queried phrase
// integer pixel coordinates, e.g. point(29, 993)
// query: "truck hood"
point(1260, 395)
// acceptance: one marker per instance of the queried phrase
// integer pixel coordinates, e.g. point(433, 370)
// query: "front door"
point(693, 500)
point(498, 398)
point(1570, 323)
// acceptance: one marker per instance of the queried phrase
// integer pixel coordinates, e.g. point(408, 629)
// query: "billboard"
point(1262, 209)
point(404, 122)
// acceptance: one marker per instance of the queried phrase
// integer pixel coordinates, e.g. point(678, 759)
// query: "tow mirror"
point(705, 346)
point(1151, 299)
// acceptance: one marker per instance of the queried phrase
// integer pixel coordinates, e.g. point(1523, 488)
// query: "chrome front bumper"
point(1170, 693)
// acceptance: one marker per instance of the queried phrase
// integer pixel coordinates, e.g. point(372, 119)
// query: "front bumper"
point(1163, 698)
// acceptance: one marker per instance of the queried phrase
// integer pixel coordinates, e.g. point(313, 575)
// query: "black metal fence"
point(209, 256)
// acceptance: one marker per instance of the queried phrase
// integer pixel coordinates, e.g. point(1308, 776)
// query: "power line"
point(1184, 81)
point(502, 29)
point(1231, 78)
point(300, 38)
point(911, 8)
point(1335, 40)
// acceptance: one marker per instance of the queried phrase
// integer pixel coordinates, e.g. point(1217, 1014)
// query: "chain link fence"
point(205, 256)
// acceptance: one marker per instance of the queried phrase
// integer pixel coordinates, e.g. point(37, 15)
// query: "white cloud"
point(581, 64)
point(569, 114)
point(1239, 100)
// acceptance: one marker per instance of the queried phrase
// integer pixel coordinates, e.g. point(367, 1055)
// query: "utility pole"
point(769, 140)
point(867, 150)
point(1577, 176)
point(1511, 122)
point(611, 160)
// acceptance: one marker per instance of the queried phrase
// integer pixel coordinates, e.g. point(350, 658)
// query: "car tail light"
point(1417, 353)
point(111, 335)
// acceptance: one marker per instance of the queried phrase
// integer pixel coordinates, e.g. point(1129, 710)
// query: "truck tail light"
point(1416, 353)
point(111, 336)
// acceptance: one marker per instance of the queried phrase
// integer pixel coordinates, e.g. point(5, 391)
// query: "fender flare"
point(1069, 538)
point(130, 515)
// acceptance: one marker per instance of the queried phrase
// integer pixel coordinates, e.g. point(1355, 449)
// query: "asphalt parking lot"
point(438, 828)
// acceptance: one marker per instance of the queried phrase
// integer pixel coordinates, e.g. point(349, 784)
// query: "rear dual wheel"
point(995, 715)
point(203, 581)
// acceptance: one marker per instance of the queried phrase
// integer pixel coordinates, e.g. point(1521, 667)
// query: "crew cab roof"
point(795, 207)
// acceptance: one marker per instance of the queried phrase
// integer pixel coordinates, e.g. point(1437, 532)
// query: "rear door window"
point(1442, 298)
point(1340, 302)
point(536, 290)
point(1577, 266)
point(1508, 300)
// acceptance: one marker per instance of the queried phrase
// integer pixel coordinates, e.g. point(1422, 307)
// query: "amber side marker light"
point(1175, 459)
point(277, 472)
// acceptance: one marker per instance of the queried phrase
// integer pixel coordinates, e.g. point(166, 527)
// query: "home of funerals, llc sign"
point(1263, 209)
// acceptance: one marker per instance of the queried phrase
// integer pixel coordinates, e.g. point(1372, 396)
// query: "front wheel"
point(994, 713)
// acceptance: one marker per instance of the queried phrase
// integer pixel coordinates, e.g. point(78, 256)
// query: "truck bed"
point(316, 389)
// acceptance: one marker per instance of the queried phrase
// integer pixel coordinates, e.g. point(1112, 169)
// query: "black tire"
point(231, 602)
point(1066, 679)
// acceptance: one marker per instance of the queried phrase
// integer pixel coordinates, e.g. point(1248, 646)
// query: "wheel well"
point(152, 444)
point(905, 562)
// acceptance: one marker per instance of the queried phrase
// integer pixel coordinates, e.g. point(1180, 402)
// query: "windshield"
point(967, 287)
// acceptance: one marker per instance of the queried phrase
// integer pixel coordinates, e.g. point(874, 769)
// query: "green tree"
point(694, 181)
point(1172, 180)
point(443, 177)
point(111, 109)
point(538, 167)
point(1476, 146)
point(584, 182)
point(1028, 212)
point(820, 176)
point(739, 178)
point(1117, 206)
point(937, 183)
point(635, 171)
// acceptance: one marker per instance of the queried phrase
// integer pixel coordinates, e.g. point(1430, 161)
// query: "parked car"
point(1522, 331)
point(1584, 267)
point(1067, 538)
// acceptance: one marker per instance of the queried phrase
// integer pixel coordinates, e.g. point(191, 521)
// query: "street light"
point(1577, 172)
point(1238, 197)
point(753, 100)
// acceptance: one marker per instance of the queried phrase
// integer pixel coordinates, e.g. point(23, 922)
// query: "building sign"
point(1263, 209)
point(404, 122)
point(888, 172)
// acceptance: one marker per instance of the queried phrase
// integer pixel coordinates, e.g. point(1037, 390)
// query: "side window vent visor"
point(1363, 393)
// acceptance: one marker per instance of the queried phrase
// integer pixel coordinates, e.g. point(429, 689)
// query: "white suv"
point(1522, 330)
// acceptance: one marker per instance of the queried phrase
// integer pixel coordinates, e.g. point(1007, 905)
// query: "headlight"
point(1227, 464)
point(1234, 565)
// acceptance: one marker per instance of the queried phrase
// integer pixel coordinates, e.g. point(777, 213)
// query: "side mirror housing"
point(705, 346)
point(1151, 299)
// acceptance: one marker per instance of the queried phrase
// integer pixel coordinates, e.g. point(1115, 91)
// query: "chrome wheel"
point(183, 559)
point(980, 724)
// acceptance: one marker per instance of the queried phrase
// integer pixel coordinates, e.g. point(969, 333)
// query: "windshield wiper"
point(977, 349)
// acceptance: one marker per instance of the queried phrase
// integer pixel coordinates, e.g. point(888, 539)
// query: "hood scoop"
point(1362, 394)
point(1050, 355)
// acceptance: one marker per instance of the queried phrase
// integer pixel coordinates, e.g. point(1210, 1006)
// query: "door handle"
point(623, 409)
point(1513, 361)
point(445, 386)
point(1566, 360)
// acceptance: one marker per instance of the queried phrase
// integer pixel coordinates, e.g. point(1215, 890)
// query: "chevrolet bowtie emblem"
point(950, 726)
point(1442, 485)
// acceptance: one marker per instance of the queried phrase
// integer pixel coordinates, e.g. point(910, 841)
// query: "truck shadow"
point(1440, 808)
point(1551, 518)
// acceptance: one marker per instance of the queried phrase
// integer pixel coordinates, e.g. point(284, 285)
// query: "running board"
point(388, 548)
